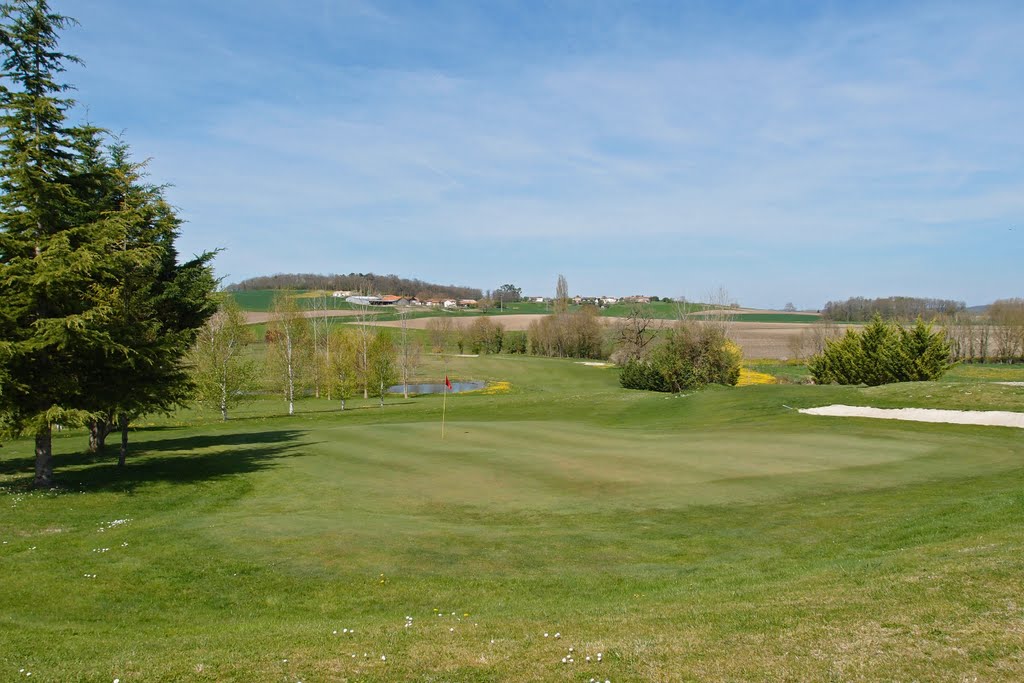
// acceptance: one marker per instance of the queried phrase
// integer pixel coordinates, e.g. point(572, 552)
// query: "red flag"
point(447, 383)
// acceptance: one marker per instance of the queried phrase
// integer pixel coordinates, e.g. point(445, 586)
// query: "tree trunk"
point(343, 405)
point(98, 430)
point(122, 422)
point(44, 459)
point(224, 402)
point(382, 394)
point(291, 377)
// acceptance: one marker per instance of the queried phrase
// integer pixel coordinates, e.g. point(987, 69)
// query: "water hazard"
point(438, 388)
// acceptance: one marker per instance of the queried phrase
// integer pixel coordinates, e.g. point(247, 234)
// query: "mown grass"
point(719, 535)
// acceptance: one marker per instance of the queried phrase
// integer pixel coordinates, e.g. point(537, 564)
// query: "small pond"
point(438, 388)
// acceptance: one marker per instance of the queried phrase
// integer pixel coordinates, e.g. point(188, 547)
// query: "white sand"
point(1011, 384)
point(992, 418)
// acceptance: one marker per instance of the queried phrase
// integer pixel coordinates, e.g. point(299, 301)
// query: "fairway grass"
point(715, 536)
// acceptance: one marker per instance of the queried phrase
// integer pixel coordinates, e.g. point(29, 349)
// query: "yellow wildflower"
point(750, 377)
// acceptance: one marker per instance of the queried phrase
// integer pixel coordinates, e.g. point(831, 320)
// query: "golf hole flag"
point(444, 401)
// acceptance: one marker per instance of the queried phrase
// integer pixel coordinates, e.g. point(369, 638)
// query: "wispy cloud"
point(442, 126)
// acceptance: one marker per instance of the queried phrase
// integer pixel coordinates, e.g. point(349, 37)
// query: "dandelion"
point(383, 658)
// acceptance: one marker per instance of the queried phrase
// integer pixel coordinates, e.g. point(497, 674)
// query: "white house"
point(451, 303)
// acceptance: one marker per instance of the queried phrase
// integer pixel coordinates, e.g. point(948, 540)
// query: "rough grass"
point(714, 536)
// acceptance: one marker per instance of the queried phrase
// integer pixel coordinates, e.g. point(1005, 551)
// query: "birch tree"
point(223, 375)
point(288, 336)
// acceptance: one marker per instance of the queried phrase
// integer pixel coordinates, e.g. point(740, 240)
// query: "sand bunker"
point(991, 418)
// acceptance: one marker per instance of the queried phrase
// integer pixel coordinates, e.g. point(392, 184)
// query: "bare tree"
point(1007, 316)
point(634, 333)
point(439, 333)
point(812, 339)
point(321, 326)
point(363, 341)
point(408, 354)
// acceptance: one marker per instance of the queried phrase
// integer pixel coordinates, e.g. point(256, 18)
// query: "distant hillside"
point(364, 283)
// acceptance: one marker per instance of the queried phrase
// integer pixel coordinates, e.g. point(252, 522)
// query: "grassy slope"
point(716, 536)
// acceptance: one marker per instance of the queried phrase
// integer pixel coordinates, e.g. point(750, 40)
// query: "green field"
point(716, 536)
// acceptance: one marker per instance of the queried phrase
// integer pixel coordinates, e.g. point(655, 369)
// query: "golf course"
point(564, 529)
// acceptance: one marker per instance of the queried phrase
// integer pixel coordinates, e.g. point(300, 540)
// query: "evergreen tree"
point(924, 353)
point(157, 305)
point(53, 310)
point(96, 314)
point(883, 353)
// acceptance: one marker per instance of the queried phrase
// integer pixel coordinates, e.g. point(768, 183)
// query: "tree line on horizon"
point(364, 283)
point(860, 309)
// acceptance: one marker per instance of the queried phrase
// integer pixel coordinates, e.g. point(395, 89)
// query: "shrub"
point(640, 374)
point(691, 355)
point(883, 353)
point(483, 336)
point(573, 334)
point(514, 342)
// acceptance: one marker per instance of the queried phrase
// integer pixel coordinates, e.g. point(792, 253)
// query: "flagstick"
point(444, 399)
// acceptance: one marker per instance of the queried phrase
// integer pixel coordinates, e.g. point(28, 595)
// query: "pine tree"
point(53, 310)
point(924, 353)
point(883, 353)
point(157, 304)
point(96, 314)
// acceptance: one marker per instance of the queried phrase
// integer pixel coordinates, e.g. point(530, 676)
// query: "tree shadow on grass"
point(177, 460)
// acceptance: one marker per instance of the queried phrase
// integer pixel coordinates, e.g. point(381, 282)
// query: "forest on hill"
point(364, 283)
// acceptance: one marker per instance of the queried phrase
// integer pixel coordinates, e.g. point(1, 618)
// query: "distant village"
point(396, 300)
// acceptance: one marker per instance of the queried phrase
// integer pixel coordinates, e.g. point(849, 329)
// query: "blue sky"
point(786, 151)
